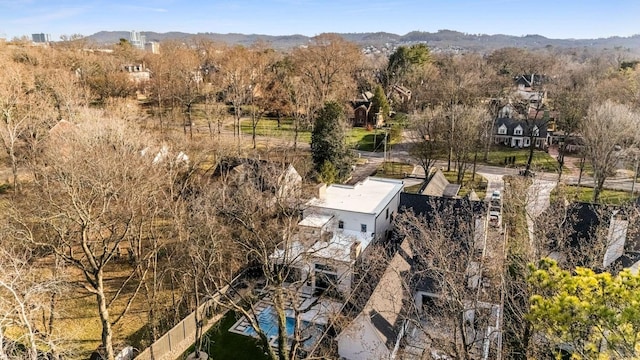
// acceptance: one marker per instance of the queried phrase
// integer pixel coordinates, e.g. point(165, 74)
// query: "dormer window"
point(502, 130)
point(517, 130)
point(536, 131)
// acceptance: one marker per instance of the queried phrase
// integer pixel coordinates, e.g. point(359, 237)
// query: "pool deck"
point(318, 315)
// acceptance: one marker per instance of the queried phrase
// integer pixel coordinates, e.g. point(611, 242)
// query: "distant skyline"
point(579, 19)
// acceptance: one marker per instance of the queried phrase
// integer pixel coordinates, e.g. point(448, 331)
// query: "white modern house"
point(337, 227)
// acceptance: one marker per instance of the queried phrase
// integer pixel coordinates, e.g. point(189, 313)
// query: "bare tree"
point(26, 296)
point(468, 124)
point(447, 269)
point(22, 108)
point(608, 130)
point(235, 77)
point(94, 185)
point(427, 141)
point(327, 65)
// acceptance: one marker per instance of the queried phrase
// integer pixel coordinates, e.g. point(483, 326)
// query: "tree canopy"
point(328, 140)
point(592, 315)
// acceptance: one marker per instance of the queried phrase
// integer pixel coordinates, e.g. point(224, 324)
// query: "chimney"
point(321, 191)
point(356, 247)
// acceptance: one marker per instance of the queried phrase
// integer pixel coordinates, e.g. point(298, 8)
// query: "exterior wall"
point(343, 273)
point(360, 116)
point(359, 342)
point(352, 220)
point(512, 141)
point(383, 222)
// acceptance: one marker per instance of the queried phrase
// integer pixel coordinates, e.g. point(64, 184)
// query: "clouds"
point(49, 16)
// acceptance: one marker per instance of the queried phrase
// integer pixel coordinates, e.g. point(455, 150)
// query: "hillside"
point(443, 39)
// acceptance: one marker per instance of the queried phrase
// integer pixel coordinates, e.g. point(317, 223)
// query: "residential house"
point(464, 223)
point(362, 114)
point(517, 133)
point(605, 238)
point(337, 228)
point(399, 93)
point(385, 326)
point(529, 82)
point(138, 73)
point(280, 179)
point(377, 331)
point(508, 111)
point(440, 186)
point(529, 89)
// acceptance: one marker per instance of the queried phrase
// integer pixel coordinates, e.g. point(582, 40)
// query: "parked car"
point(496, 195)
point(495, 219)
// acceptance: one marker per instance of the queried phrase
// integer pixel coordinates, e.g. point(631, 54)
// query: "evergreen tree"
point(379, 102)
point(328, 140)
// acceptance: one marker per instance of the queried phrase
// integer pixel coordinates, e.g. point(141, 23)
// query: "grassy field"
point(478, 184)
point(78, 321)
point(394, 170)
point(585, 194)
point(219, 343)
point(542, 161)
point(358, 138)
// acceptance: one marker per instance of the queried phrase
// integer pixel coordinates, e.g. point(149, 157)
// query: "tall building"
point(152, 47)
point(137, 39)
point(41, 38)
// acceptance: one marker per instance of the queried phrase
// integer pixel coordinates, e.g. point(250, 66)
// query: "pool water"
point(268, 322)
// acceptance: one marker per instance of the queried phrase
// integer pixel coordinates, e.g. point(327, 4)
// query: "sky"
point(577, 19)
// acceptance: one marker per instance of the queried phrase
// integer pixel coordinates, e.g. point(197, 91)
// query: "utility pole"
point(635, 176)
point(385, 146)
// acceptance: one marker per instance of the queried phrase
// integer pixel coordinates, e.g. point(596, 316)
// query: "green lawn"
point(413, 188)
point(541, 160)
point(395, 170)
point(358, 138)
point(585, 194)
point(219, 343)
point(269, 127)
point(479, 184)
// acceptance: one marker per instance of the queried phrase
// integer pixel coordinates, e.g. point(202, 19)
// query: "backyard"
point(220, 343)
point(478, 184)
point(357, 137)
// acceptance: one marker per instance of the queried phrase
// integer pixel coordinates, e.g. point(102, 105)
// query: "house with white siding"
point(338, 226)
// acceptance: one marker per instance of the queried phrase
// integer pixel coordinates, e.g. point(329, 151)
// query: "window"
point(340, 224)
point(502, 130)
point(387, 216)
point(526, 142)
point(325, 268)
point(363, 227)
point(536, 131)
point(517, 130)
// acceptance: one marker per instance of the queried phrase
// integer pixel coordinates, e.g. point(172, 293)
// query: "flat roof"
point(339, 247)
point(315, 220)
point(369, 196)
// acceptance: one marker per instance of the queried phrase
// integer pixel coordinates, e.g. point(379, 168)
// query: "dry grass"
point(77, 323)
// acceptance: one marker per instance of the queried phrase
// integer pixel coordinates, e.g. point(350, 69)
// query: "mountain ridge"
point(442, 39)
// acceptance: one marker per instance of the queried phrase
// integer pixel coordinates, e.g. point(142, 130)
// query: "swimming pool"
point(268, 322)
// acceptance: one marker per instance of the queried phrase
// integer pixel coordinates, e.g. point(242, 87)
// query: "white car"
point(495, 195)
point(495, 218)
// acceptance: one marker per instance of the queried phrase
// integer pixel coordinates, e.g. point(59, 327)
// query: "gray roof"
point(437, 185)
point(527, 126)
